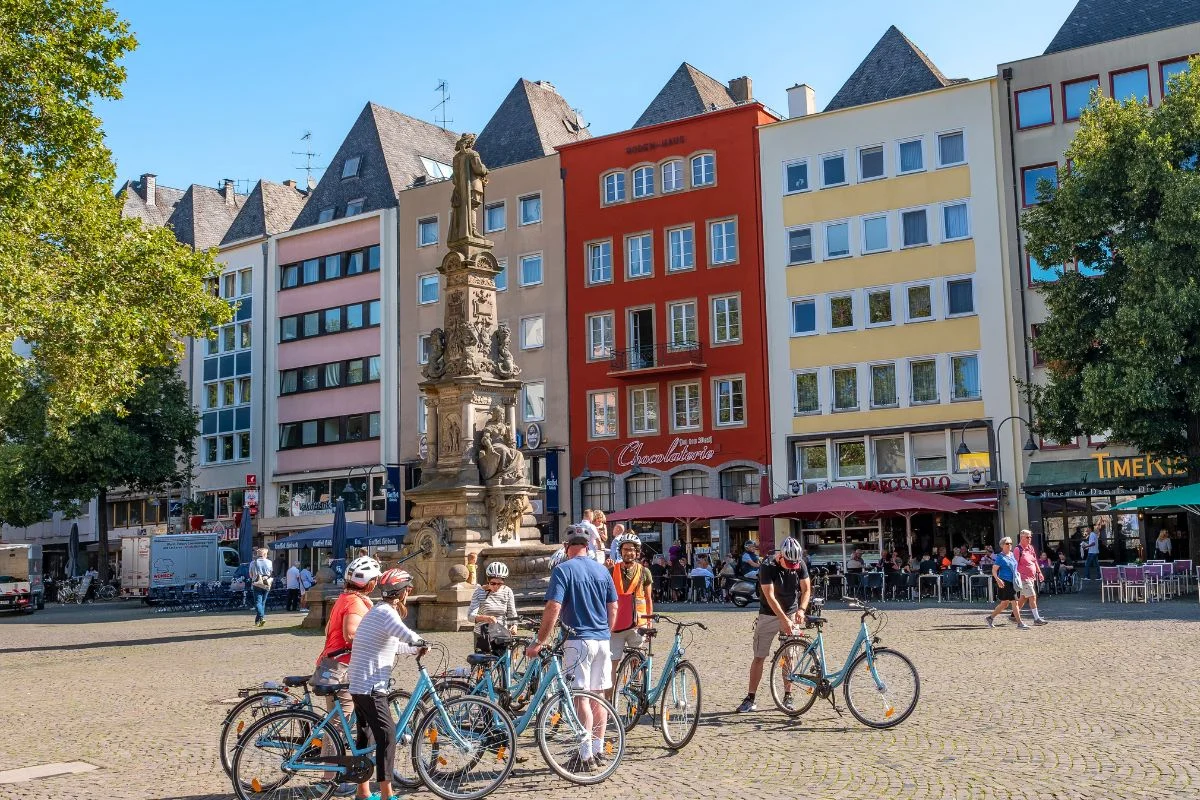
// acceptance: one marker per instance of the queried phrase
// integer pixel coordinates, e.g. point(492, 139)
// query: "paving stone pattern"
point(1101, 703)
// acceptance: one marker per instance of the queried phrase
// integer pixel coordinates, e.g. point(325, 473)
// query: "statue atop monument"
point(470, 176)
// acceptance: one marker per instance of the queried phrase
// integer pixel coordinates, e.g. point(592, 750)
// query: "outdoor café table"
point(971, 579)
point(838, 578)
point(937, 579)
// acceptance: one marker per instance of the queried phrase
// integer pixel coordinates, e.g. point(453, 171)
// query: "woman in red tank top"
point(347, 612)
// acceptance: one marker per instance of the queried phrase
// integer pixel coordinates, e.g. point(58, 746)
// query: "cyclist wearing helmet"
point(492, 603)
point(379, 638)
point(635, 600)
point(784, 589)
point(344, 618)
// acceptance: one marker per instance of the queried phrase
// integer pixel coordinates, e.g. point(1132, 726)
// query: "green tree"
point(1122, 341)
point(87, 298)
point(145, 447)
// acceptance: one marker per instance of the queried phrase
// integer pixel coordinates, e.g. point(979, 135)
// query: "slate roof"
point(1095, 21)
point(135, 205)
point(688, 93)
point(203, 215)
point(390, 145)
point(531, 121)
point(895, 67)
point(270, 208)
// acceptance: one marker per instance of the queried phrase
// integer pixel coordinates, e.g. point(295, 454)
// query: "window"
point(851, 460)
point(689, 481)
point(952, 149)
point(354, 372)
point(1031, 177)
point(889, 455)
point(325, 215)
point(1131, 84)
point(290, 277)
point(841, 312)
point(704, 170)
point(727, 319)
point(1034, 108)
point(600, 337)
point(680, 249)
point(373, 258)
point(914, 228)
point(423, 348)
point(287, 329)
point(956, 222)
point(427, 289)
point(920, 303)
point(229, 285)
point(1077, 96)
point(354, 263)
point(373, 312)
point(243, 390)
point(603, 409)
point(807, 398)
point(644, 410)
point(723, 241)
point(883, 386)
point(427, 232)
point(837, 239)
point(354, 317)
point(373, 368)
point(685, 402)
point(599, 256)
point(228, 397)
point(814, 462)
point(229, 338)
point(311, 270)
point(804, 317)
point(531, 209)
point(243, 445)
point(731, 401)
point(833, 170)
point(643, 182)
point(929, 453)
point(964, 378)
point(597, 493)
point(350, 166)
point(740, 485)
point(795, 177)
point(800, 246)
point(614, 187)
point(639, 249)
point(211, 396)
point(682, 319)
point(1034, 330)
point(870, 163)
point(333, 267)
point(1168, 70)
point(494, 218)
point(879, 307)
point(422, 416)
point(912, 155)
point(355, 206)
point(642, 489)
point(533, 332)
point(533, 401)
point(502, 276)
point(672, 176)
point(311, 323)
point(960, 297)
point(845, 389)
point(531, 269)
point(875, 234)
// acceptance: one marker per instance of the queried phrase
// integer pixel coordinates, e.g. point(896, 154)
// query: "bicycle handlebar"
point(675, 622)
point(868, 611)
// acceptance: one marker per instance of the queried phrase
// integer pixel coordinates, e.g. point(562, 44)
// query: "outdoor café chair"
point(1110, 581)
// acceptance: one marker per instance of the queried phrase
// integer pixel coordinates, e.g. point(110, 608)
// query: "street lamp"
point(350, 495)
point(587, 473)
point(994, 451)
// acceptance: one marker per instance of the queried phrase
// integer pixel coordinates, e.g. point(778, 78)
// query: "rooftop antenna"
point(309, 155)
point(444, 89)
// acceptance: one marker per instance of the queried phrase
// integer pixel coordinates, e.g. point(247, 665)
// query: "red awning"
point(840, 501)
point(684, 509)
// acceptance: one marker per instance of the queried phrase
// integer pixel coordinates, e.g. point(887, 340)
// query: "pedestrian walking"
point(307, 581)
point(261, 578)
point(1004, 573)
point(582, 592)
point(292, 583)
point(784, 589)
point(1092, 545)
point(1029, 569)
point(1162, 545)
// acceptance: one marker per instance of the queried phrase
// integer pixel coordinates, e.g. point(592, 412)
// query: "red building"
point(667, 353)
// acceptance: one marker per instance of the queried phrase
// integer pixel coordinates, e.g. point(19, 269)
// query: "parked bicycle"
point(880, 685)
point(677, 692)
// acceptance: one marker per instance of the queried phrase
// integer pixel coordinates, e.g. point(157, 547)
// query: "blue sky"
point(226, 88)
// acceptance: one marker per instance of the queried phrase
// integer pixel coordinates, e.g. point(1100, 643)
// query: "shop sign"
point(682, 450)
point(645, 147)
point(1112, 469)
point(251, 479)
point(302, 507)
point(552, 499)
point(533, 436)
point(1090, 491)
point(927, 483)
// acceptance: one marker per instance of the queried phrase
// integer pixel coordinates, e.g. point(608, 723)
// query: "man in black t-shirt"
point(784, 588)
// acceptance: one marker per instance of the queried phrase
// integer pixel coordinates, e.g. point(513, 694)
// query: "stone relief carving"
point(506, 512)
point(436, 367)
point(500, 462)
point(503, 363)
point(451, 438)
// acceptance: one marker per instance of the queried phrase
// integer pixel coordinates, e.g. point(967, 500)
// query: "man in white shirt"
point(593, 533)
point(293, 588)
point(1092, 544)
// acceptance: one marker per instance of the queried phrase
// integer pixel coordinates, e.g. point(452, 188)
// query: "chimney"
point(291, 184)
point(740, 89)
point(228, 192)
point(148, 187)
point(802, 101)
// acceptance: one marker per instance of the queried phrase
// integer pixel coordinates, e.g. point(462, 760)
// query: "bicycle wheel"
point(679, 705)
point(886, 697)
point(260, 759)
point(245, 714)
point(561, 738)
point(466, 749)
point(452, 688)
point(794, 666)
point(629, 690)
point(404, 771)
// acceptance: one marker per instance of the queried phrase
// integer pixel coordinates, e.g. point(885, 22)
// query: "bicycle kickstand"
point(833, 702)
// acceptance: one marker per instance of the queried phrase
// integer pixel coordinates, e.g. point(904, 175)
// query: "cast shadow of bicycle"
point(187, 637)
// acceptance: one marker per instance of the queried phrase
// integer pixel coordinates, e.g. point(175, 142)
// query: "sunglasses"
point(495, 583)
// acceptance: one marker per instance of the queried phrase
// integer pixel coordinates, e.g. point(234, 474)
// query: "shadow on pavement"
point(186, 637)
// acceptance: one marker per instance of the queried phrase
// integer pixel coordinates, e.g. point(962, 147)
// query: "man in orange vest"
point(635, 590)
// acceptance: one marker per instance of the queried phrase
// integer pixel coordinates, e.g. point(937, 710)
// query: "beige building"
point(1131, 54)
point(523, 215)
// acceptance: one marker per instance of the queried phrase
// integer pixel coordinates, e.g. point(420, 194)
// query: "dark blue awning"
point(356, 535)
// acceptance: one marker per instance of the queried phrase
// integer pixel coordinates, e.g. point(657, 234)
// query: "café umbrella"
point(1185, 497)
point(685, 510)
point(928, 502)
point(338, 532)
point(73, 551)
point(245, 538)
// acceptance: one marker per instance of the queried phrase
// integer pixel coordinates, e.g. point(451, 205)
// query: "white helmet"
point(628, 538)
point(791, 549)
point(362, 571)
point(497, 569)
point(560, 555)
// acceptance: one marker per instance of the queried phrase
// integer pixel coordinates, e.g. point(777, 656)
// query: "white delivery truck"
point(135, 565)
point(21, 586)
point(186, 559)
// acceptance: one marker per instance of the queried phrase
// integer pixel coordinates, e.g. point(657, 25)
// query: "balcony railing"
point(678, 357)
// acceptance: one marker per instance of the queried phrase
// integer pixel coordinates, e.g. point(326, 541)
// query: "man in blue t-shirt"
point(583, 593)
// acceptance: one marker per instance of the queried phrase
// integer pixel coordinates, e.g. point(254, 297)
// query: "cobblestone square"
point(1101, 703)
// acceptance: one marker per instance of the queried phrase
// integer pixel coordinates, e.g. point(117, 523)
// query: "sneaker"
point(1021, 626)
point(1041, 621)
point(577, 763)
point(747, 706)
point(787, 701)
point(991, 621)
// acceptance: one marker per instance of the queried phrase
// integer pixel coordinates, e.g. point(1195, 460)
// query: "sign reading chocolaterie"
point(646, 147)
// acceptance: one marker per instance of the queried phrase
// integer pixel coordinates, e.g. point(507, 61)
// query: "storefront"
point(1066, 498)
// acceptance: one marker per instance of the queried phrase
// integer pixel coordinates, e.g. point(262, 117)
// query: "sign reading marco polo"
point(1112, 469)
point(682, 450)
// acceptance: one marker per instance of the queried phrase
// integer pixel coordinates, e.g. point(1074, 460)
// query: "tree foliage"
point(87, 298)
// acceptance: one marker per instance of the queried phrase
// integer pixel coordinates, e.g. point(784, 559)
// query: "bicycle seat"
point(328, 689)
point(651, 632)
point(296, 680)
point(481, 659)
point(815, 620)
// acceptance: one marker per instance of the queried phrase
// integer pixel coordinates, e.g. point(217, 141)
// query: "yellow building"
point(887, 319)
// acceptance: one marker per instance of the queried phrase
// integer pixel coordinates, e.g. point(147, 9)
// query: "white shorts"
point(588, 662)
point(617, 642)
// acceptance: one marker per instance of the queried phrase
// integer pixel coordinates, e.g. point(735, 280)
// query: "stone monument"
point(474, 495)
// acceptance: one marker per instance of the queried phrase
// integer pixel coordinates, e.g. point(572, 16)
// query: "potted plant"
point(195, 514)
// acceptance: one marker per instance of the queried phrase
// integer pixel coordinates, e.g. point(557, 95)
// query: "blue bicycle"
point(880, 685)
point(677, 691)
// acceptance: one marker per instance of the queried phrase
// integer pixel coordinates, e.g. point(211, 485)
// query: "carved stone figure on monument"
point(436, 367)
point(503, 364)
point(451, 437)
point(462, 347)
point(506, 512)
point(469, 176)
point(500, 462)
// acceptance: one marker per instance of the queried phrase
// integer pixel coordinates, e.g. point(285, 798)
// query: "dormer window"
point(436, 169)
point(326, 215)
point(350, 168)
point(354, 207)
